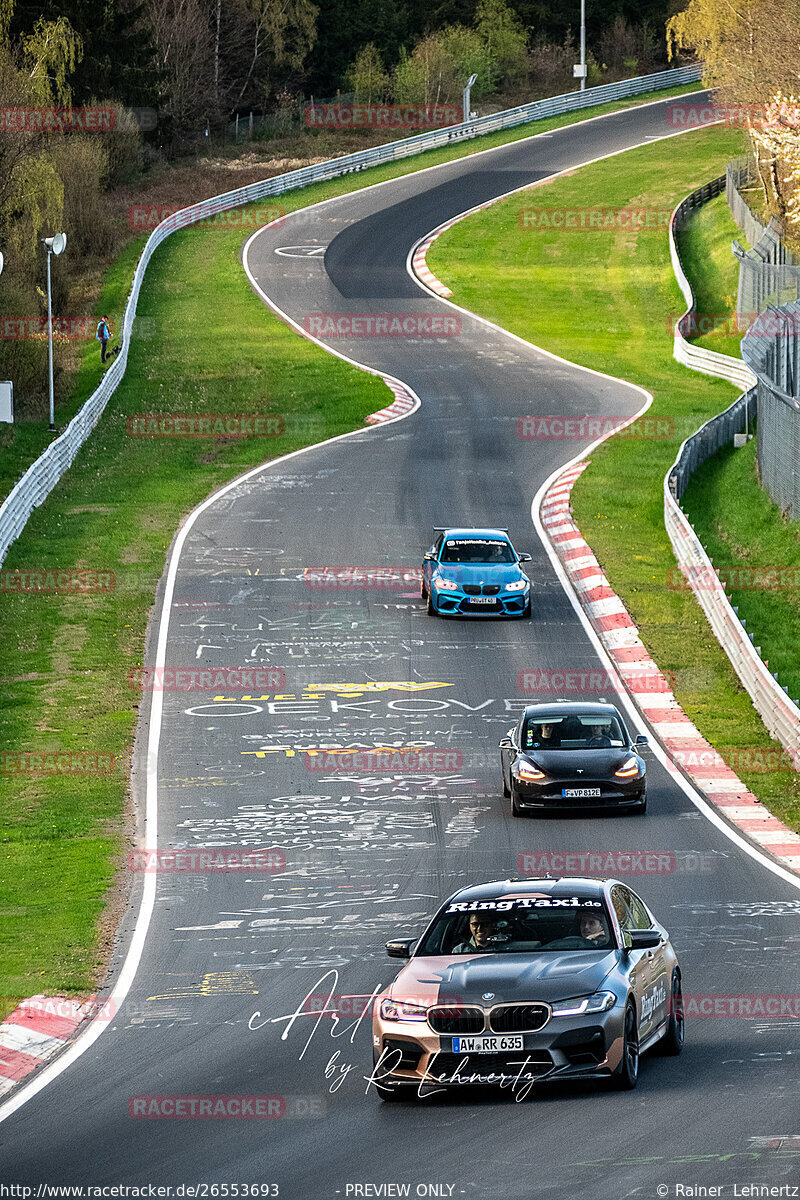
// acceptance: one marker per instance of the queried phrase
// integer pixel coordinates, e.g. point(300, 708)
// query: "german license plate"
point(487, 1045)
point(580, 793)
point(482, 600)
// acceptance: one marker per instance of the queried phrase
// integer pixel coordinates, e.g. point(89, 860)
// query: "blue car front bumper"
point(491, 601)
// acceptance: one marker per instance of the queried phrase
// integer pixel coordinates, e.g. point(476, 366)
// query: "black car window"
point(477, 550)
point(619, 898)
point(574, 731)
point(639, 914)
point(584, 925)
point(437, 545)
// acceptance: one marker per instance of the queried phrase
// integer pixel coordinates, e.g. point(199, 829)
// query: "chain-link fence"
point(769, 274)
point(771, 348)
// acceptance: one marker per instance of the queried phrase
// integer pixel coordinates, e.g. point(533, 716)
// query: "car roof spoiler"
point(444, 528)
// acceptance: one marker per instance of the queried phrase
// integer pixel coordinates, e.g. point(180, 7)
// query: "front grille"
point(447, 1020)
point(519, 1018)
point(491, 589)
point(540, 1062)
point(472, 589)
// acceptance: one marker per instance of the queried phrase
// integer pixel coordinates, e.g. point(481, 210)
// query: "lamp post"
point(583, 44)
point(465, 97)
point(54, 245)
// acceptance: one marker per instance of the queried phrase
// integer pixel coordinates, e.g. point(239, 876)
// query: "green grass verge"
point(606, 300)
point(65, 659)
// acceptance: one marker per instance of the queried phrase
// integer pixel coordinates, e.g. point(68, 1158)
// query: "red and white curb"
point(684, 743)
point(33, 1032)
point(421, 268)
point(403, 403)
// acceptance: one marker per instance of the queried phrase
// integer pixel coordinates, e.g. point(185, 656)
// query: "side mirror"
point(506, 743)
point(641, 939)
point(429, 557)
point(642, 740)
point(525, 557)
point(400, 947)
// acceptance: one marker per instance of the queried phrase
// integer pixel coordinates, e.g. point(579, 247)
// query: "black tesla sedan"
point(573, 754)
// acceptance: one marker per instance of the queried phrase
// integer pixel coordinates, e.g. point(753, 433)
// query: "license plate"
point(487, 1045)
point(482, 600)
point(580, 793)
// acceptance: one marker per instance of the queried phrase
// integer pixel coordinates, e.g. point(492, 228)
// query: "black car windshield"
point(476, 550)
point(574, 731)
point(529, 925)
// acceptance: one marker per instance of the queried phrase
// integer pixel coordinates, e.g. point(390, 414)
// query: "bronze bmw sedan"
point(520, 981)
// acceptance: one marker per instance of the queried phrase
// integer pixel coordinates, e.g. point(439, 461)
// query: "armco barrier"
point(43, 475)
point(779, 714)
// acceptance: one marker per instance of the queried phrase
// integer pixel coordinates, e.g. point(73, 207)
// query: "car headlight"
point(396, 1010)
point(529, 771)
point(577, 1005)
point(445, 585)
point(629, 769)
point(518, 585)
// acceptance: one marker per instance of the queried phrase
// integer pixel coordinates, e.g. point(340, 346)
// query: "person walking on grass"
point(102, 336)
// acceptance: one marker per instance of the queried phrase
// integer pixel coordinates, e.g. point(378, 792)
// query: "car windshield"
point(476, 550)
point(574, 731)
point(529, 925)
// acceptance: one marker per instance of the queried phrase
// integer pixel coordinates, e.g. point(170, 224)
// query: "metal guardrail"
point(769, 273)
point(771, 348)
point(779, 714)
point(43, 475)
point(709, 362)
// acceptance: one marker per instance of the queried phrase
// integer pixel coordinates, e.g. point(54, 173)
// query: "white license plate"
point(482, 600)
point(487, 1045)
point(580, 793)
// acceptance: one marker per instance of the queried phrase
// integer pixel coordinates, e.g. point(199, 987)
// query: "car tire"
point(516, 811)
point(423, 591)
point(672, 1042)
point(626, 1076)
point(430, 606)
point(506, 789)
point(526, 612)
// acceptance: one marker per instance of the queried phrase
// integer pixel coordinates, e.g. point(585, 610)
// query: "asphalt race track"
point(370, 856)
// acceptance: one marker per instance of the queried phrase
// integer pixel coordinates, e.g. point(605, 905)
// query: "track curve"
point(366, 857)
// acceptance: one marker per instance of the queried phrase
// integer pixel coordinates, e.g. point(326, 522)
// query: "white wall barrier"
point(779, 713)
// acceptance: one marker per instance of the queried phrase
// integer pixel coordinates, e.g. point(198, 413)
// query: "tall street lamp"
point(54, 245)
point(579, 70)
